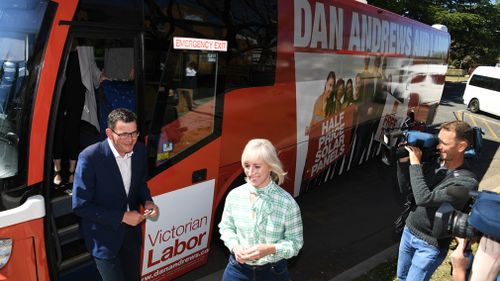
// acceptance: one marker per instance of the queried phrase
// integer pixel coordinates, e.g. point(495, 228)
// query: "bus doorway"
point(97, 74)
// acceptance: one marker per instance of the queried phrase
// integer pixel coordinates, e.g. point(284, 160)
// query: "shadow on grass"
point(383, 272)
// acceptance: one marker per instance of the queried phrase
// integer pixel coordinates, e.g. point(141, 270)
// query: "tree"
point(474, 25)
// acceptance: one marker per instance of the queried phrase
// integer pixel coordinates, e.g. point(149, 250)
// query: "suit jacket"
point(99, 197)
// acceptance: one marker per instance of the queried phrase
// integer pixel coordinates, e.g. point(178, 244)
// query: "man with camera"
point(420, 253)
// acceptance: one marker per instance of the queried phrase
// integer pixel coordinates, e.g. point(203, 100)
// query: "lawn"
point(387, 271)
point(456, 79)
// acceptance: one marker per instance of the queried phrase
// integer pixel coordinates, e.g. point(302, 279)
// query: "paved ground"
point(345, 222)
point(488, 166)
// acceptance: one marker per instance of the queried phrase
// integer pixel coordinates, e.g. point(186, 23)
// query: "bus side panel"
point(28, 252)
point(179, 240)
point(265, 112)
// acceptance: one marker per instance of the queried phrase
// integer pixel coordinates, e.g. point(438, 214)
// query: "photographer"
point(420, 253)
point(486, 264)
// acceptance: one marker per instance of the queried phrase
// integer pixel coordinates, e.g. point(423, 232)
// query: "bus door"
point(182, 109)
point(97, 74)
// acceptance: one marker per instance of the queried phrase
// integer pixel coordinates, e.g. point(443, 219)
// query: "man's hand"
point(132, 218)
point(151, 210)
point(415, 154)
point(459, 261)
point(103, 77)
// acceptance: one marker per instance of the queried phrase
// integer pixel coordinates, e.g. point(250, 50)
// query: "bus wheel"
point(474, 105)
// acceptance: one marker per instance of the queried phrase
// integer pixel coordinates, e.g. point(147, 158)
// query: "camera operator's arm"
point(459, 261)
point(415, 154)
point(421, 191)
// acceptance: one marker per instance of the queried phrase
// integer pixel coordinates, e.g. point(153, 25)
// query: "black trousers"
point(67, 135)
point(126, 266)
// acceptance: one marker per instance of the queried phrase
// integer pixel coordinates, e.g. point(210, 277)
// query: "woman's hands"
point(256, 252)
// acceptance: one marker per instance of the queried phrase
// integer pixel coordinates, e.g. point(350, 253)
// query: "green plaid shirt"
point(276, 221)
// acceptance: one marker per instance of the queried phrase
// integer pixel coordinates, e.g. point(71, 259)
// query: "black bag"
point(400, 221)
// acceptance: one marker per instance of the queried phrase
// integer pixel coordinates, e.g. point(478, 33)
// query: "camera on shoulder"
point(395, 141)
point(482, 219)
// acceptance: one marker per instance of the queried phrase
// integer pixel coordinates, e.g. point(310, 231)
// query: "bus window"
point(251, 60)
point(120, 13)
point(183, 98)
point(249, 27)
point(22, 28)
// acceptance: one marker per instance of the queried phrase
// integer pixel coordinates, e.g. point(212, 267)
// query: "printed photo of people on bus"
point(360, 99)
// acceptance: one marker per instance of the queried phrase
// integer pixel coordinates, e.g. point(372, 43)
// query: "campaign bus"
point(321, 79)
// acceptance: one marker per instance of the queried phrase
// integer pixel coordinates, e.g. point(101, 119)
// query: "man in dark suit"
point(109, 188)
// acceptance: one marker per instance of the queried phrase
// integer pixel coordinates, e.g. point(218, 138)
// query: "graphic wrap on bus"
point(374, 64)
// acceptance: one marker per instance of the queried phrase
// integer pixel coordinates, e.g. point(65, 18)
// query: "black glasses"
point(134, 134)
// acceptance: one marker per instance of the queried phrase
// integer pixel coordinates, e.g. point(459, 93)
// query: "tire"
point(474, 105)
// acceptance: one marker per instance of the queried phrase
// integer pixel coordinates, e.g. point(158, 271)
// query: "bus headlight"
point(5, 251)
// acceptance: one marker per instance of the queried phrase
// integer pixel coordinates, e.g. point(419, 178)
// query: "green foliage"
point(474, 26)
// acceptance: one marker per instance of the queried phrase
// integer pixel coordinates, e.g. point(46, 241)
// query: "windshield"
point(20, 23)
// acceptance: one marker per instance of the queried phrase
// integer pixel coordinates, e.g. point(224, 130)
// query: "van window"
point(485, 82)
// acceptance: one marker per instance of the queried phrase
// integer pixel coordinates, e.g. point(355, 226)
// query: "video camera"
point(427, 142)
point(483, 217)
point(425, 138)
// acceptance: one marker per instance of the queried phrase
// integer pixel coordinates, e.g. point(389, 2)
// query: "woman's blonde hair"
point(265, 150)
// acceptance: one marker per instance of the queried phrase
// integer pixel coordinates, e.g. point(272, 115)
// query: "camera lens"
point(460, 227)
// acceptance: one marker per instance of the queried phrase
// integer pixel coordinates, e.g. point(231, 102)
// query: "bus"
point(321, 79)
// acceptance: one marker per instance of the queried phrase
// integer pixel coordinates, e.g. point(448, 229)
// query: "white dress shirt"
point(125, 166)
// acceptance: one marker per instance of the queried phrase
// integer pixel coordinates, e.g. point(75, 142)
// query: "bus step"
point(68, 234)
point(74, 254)
point(61, 205)
point(75, 261)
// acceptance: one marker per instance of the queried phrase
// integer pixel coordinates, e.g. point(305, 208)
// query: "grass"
point(387, 270)
point(456, 79)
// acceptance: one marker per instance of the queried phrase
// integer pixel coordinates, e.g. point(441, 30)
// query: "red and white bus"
point(320, 79)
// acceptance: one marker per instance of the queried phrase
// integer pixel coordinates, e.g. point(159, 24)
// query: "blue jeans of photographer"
point(417, 259)
point(242, 272)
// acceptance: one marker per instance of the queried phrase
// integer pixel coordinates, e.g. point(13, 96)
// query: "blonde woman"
point(261, 223)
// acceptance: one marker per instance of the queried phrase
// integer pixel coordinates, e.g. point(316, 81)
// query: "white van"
point(482, 91)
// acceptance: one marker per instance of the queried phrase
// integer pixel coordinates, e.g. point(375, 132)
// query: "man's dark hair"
point(120, 114)
point(463, 130)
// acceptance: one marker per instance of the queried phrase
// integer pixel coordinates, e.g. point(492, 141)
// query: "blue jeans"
point(417, 259)
point(242, 272)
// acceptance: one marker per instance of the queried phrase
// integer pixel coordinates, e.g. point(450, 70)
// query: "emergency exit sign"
point(185, 43)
